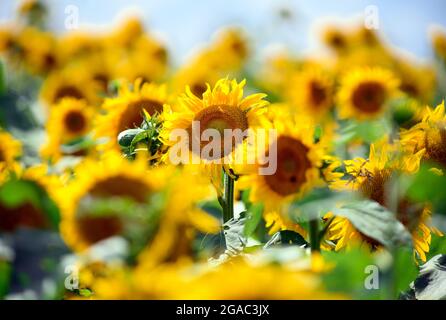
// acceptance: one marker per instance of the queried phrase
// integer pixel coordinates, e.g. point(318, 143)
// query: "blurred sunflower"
point(371, 178)
point(365, 93)
point(126, 33)
point(240, 279)
point(181, 218)
point(69, 120)
point(111, 177)
point(311, 90)
point(439, 43)
point(428, 136)
point(417, 82)
point(299, 160)
point(231, 44)
point(70, 82)
point(37, 208)
point(196, 76)
point(335, 38)
point(235, 280)
point(220, 108)
point(76, 45)
point(126, 110)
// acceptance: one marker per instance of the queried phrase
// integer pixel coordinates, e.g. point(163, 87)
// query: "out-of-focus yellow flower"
point(365, 93)
point(70, 82)
point(439, 43)
point(335, 38)
point(234, 280)
point(69, 120)
point(311, 91)
point(417, 82)
point(109, 177)
point(126, 110)
point(371, 177)
point(30, 214)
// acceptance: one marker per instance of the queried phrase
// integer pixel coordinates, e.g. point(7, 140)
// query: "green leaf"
point(2, 79)
point(253, 218)
point(405, 269)
point(317, 204)
point(375, 221)
point(5, 276)
point(427, 186)
point(15, 193)
point(348, 275)
point(126, 137)
point(286, 237)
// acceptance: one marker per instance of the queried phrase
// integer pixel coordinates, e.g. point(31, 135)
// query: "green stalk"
point(228, 197)
point(314, 235)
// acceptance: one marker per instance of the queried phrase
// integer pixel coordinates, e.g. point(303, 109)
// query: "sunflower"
point(195, 75)
point(336, 39)
point(232, 45)
point(311, 90)
point(439, 43)
point(38, 210)
point(126, 110)
point(238, 279)
point(147, 59)
point(108, 178)
point(371, 177)
point(428, 136)
point(365, 93)
point(299, 160)
point(181, 217)
point(221, 108)
point(70, 82)
point(75, 45)
point(126, 33)
point(69, 120)
point(417, 81)
point(39, 50)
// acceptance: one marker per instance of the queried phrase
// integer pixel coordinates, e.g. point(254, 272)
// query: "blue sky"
point(184, 24)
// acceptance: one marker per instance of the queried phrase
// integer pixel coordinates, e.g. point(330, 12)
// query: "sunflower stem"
point(228, 197)
point(314, 235)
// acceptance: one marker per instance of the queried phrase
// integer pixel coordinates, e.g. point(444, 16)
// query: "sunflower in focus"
point(221, 108)
point(299, 160)
point(69, 120)
point(126, 110)
point(311, 90)
point(371, 178)
point(110, 177)
point(70, 82)
point(428, 136)
point(365, 93)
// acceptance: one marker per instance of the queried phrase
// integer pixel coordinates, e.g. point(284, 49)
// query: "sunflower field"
point(336, 191)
